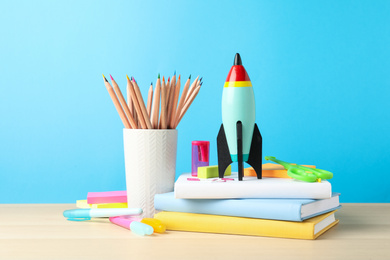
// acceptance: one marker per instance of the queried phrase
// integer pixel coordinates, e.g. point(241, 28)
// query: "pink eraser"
point(124, 221)
point(107, 197)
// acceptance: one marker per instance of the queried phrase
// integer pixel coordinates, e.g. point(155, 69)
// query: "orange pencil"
point(150, 97)
point(116, 103)
point(142, 105)
point(136, 103)
point(123, 103)
point(156, 103)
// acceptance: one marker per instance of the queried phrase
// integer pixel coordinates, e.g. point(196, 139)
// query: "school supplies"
point(87, 214)
point(200, 155)
point(156, 224)
point(206, 172)
point(136, 114)
point(278, 209)
point(302, 173)
point(271, 170)
point(84, 205)
point(117, 105)
point(239, 139)
point(107, 197)
point(132, 224)
point(308, 229)
point(251, 188)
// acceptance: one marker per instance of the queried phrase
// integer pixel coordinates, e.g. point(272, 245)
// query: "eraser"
point(107, 197)
point(206, 172)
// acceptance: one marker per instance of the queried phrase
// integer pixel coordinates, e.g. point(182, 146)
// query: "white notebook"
point(251, 187)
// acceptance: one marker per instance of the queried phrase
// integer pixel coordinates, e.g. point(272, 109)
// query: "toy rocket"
point(239, 139)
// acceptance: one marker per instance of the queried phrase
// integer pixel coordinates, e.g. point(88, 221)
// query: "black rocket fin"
point(224, 159)
point(239, 151)
point(255, 153)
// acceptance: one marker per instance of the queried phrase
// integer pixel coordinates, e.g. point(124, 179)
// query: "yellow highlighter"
point(155, 223)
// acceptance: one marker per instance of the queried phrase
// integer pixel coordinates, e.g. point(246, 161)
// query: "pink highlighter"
point(132, 223)
point(200, 155)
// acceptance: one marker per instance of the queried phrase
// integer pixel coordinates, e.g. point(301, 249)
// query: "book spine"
point(186, 190)
point(235, 225)
point(249, 208)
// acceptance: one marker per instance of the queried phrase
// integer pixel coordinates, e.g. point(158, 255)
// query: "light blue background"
point(320, 71)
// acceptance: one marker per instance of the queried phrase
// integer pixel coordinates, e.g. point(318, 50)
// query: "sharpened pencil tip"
point(104, 78)
point(158, 76)
point(174, 73)
point(151, 83)
point(201, 84)
point(169, 78)
point(201, 79)
point(111, 77)
point(179, 76)
point(127, 77)
point(189, 76)
point(163, 78)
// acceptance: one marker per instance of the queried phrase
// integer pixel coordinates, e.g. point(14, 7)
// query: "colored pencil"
point(156, 103)
point(122, 101)
point(149, 102)
point(141, 103)
point(171, 99)
point(117, 105)
point(136, 104)
point(188, 103)
point(194, 84)
point(174, 104)
point(163, 116)
point(182, 99)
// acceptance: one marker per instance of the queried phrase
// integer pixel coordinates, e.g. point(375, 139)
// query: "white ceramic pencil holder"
point(150, 164)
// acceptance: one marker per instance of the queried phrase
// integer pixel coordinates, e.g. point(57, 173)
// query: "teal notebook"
point(278, 209)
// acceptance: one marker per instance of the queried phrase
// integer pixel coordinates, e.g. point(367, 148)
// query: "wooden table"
point(39, 231)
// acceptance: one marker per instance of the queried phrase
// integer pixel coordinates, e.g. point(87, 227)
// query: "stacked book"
point(272, 207)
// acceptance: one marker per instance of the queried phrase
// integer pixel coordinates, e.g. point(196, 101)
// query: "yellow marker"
point(156, 224)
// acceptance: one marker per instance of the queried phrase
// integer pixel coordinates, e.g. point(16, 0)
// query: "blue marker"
point(87, 214)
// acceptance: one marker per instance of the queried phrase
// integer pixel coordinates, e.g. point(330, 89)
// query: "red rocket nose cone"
point(237, 73)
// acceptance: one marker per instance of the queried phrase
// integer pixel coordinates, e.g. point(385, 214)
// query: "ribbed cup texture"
point(150, 163)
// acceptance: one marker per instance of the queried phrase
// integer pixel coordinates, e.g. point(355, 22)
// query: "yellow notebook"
point(83, 204)
point(308, 229)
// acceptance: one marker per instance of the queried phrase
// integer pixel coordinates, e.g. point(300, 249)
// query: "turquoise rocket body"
point(238, 104)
